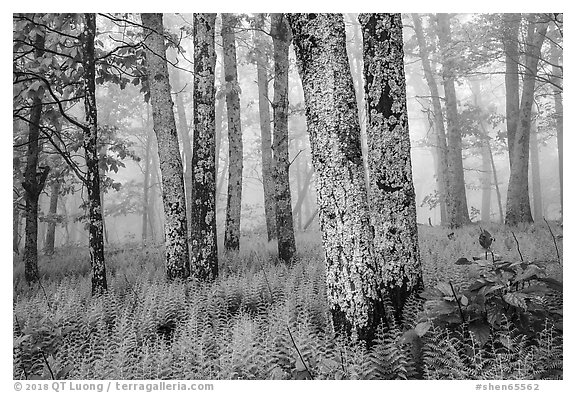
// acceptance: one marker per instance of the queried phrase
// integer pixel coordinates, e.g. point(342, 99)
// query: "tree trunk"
point(204, 246)
point(297, 211)
point(392, 197)
point(16, 229)
point(281, 37)
point(518, 198)
point(332, 119)
point(510, 29)
point(235, 149)
point(95, 225)
point(33, 181)
point(310, 220)
point(454, 141)
point(175, 227)
point(52, 212)
point(146, 185)
point(184, 136)
point(556, 55)
point(498, 195)
point(535, 169)
point(445, 190)
point(262, 66)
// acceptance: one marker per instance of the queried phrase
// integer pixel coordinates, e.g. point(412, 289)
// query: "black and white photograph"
point(199, 197)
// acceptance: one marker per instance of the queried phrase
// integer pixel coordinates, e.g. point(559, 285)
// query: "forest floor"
point(263, 320)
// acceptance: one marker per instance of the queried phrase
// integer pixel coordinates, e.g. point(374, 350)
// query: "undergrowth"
point(261, 320)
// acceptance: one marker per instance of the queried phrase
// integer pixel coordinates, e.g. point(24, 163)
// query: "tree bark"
point(235, 148)
point(445, 190)
point(204, 245)
point(518, 198)
point(332, 119)
point(392, 197)
point(535, 169)
point(52, 212)
point(175, 226)
point(281, 37)
point(95, 224)
point(454, 141)
point(510, 29)
point(262, 66)
point(16, 229)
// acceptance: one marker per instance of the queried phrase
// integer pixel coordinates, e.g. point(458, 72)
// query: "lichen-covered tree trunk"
point(518, 198)
point(392, 197)
point(90, 143)
point(281, 36)
point(175, 226)
point(235, 148)
point(510, 29)
point(52, 211)
point(535, 171)
point(204, 246)
point(334, 131)
point(445, 190)
point(262, 66)
point(454, 141)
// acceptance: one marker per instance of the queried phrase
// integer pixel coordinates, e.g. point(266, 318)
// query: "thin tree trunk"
point(281, 37)
point(332, 118)
point(175, 226)
point(498, 195)
point(510, 29)
point(297, 211)
point(52, 211)
point(556, 54)
point(310, 219)
point(535, 169)
point(146, 202)
point(262, 66)
point(392, 197)
point(204, 245)
point(95, 227)
point(518, 198)
point(445, 190)
point(235, 149)
point(454, 141)
point(16, 229)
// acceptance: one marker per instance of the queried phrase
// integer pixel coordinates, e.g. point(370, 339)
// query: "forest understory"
point(263, 319)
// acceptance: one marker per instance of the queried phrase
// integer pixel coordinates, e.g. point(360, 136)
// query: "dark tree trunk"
point(518, 198)
point(52, 212)
point(33, 181)
point(16, 229)
point(510, 29)
point(281, 37)
point(235, 149)
point(204, 246)
point(262, 66)
point(392, 197)
point(454, 141)
point(175, 226)
point(332, 118)
point(445, 190)
point(95, 224)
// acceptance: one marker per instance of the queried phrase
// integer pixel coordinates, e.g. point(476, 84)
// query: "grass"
point(239, 328)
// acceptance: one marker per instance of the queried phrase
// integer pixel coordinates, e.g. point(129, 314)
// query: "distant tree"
point(261, 49)
point(204, 251)
point(235, 149)
point(392, 197)
point(281, 36)
point(518, 198)
point(332, 119)
point(459, 216)
point(535, 169)
point(175, 227)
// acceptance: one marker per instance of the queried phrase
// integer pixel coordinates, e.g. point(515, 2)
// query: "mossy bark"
point(262, 66)
point(518, 198)
point(334, 131)
point(91, 149)
point(175, 226)
point(392, 197)
point(281, 36)
point(204, 251)
point(235, 148)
